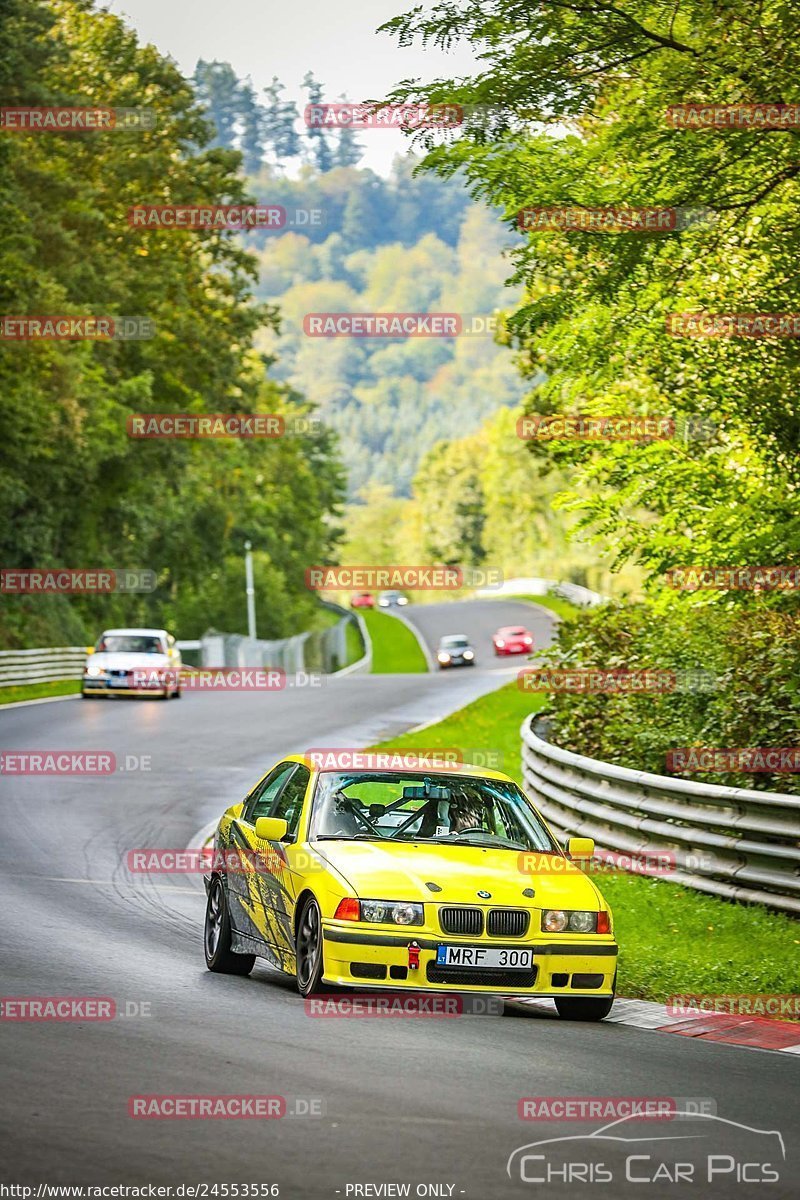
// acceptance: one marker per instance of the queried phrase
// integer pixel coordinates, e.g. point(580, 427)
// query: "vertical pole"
point(250, 590)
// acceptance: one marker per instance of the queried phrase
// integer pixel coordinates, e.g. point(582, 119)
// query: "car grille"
point(119, 674)
point(508, 922)
point(486, 978)
point(468, 921)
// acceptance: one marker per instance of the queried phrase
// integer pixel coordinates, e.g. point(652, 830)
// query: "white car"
point(126, 662)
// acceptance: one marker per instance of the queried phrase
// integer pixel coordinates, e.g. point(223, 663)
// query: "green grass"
point(557, 604)
point(672, 940)
point(35, 691)
point(395, 650)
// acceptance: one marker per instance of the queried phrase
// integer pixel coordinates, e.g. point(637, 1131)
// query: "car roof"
point(512, 629)
point(147, 632)
point(446, 637)
point(465, 769)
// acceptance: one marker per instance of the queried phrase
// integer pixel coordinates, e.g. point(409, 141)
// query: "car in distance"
point(133, 662)
point(362, 600)
point(513, 639)
point(390, 599)
point(455, 650)
point(420, 877)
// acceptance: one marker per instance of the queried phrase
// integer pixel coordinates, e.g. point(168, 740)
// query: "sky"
point(262, 38)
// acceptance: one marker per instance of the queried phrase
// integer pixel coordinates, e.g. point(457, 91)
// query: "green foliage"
point(750, 698)
point(396, 245)
point(75, 490)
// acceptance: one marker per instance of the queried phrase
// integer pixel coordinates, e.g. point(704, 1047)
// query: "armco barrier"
point(41, 666)
point(733, 842)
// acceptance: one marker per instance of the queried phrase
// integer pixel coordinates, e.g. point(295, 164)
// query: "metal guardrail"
point(733, 842)
point(323, 650)
point(41, 666)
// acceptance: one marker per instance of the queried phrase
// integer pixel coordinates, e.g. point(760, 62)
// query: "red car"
point(362, 600)
point(513, 639)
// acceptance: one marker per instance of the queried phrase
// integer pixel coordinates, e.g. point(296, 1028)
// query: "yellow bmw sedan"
point(441, 880)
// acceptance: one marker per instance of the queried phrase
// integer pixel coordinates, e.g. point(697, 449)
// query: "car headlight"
point(94, 671)
point(402, 600)
point(555, 920)
point(442, 657)
point(527, 641)
point(390, 912)
point(468, 654)
point(500, 642)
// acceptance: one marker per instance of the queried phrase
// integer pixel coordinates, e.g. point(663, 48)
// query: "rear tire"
point(217, 936)
point(577, 1008)
point(308, 948)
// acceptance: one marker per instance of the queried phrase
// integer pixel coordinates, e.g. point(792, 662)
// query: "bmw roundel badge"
point(485, 895)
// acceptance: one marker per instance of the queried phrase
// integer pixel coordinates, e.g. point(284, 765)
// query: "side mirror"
point(580, 847)
point(271, 829)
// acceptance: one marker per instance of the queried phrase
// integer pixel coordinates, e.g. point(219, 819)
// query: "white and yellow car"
point(410, 878)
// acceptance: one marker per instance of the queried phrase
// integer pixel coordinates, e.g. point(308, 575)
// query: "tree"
point(219, 90)
point(318, 142)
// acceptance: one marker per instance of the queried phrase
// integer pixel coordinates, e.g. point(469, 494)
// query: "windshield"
point(451, 642)
point(129, 643)
point(442, 809)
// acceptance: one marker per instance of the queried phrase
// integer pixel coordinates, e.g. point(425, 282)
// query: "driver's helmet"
point(465, 811)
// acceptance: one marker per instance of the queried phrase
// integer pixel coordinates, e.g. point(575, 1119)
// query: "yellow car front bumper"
point(357, 957)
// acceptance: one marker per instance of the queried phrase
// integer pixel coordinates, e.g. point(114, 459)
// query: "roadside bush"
point(738, 682)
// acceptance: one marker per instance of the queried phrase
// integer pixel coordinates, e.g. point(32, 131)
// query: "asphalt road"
point(417, 1101)
point(479, 619)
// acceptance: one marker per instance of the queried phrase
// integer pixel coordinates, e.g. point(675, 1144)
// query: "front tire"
point(578, 1008)
point(308, 948)
point(217, 936)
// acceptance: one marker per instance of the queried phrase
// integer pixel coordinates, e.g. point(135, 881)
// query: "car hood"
point(127, 662)
point(382, 871)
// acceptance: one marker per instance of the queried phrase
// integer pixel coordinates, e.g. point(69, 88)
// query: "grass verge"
point(395, 649)
point(38, 691)
point(557, 604)
point(672, 940)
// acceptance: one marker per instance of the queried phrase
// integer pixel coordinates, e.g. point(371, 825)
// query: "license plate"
point(482, 957)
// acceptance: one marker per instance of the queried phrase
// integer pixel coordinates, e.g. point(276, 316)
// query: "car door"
point(270, 886)
point(243, 892)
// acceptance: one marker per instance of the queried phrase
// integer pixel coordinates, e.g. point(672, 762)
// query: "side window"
point(260, 800)
point(289, 803)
